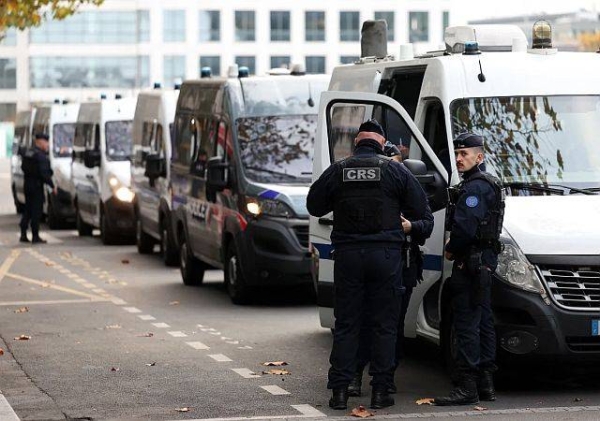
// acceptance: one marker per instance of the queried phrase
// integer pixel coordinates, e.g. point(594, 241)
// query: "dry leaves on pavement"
point(361, 412)
point(277, 372)
point(185, 409)
point(113, 327)
point(22, 338)
point(115, 369)
point(1, 351)
point(480, 408)
point(425, 401)
point(146, 335)
point(22, 310)
point(125, 261)
point(174, 303)
point(152, 364)
point(49, 264)
point(274, 363)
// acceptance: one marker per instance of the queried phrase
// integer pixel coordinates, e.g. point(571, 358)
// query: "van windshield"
point(119, 140)
point(536, 139)
point(62, 139)
point(277, 149)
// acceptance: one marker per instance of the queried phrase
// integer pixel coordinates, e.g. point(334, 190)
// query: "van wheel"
point(106, 234)
point(83, 229)
point(144, 242)
point(53, 220)
point(169, 253)
point(192, 269)
point(448, 339)
point(235, 282)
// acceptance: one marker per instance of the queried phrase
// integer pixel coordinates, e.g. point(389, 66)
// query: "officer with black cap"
point(475, 222)
point(37, 172)
point(367, 193)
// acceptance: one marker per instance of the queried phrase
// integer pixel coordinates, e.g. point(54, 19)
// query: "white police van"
point(539, 112)
point(21, 141)
point(58, 120)
point(150, 170)
point(101, 173)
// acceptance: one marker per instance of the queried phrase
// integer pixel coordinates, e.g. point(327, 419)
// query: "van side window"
point(435, 133)
point(185, 139)
point(345, 121)
point(224, 143)
point(158, 144)
point(206, 136)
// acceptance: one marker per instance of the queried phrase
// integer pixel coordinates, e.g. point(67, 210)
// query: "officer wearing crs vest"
point(367, 193)
point(37, 172)
point(475, 222)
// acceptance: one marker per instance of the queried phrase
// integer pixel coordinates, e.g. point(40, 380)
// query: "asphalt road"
point(116, 335)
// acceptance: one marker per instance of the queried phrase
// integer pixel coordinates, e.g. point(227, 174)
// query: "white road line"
point(275, 390)
point(198, 345)
point(233, 342)
point(132, 309)
point(88, 285)
point(120, 302)
point(245, 347)
point(200, 325)
point(72, 275)
point(308, 411)
point(246, 373)
point(161, 325)
point(220, 358)
point(6, 411)
point(177, 334)
point(146, 316)
point(30, 303)
point(215, 333)
point(98, 290)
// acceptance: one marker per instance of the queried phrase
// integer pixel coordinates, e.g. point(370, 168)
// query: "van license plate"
point(595, 330)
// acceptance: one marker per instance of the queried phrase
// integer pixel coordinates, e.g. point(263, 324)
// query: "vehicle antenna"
point(480, 76)
point(311, 101)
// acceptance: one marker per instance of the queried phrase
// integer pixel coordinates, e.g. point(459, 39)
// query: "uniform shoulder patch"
point(472, 201)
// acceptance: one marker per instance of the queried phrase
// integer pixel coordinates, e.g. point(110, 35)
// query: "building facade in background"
point(127, 45)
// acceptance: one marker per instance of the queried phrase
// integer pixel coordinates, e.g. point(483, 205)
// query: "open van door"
point(340, 115)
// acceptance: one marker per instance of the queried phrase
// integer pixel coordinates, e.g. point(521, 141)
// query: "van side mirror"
point(433, 184)
point(91, 158)
point(155, 166)
point(419, 170)
point(217, 174)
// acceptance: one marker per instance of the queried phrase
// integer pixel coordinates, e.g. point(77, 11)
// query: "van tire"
point(145, 243)
point(192, 269)
point(169, 253)
point(106, 234)
point(235, 282)
point(53, 220)
point(83, 229)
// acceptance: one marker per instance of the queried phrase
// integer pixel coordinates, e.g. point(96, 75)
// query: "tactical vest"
point(490, 228)
point(29, 164)
point(361, 207)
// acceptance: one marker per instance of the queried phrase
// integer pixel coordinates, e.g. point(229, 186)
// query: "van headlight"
point(121, 192)
point(257, 206)
point(515, 269)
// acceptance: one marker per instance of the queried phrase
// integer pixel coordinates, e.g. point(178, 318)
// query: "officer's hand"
point(449, 255)
point(406, 225)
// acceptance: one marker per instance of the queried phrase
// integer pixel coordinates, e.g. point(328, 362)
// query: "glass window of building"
point(10, 38)
point(173, 70)
point(315, 26)
point(8, 111)
point(8, 73)
point(280, 61)
point(174, 26)
point(348, 59)
point(445, 20)
point(247, 61)
point(315, 64)
point(210, 25)
point(214, 62)
point(389, 18)
point(89, 72)
point(349, 26)
point(418, 26)
point(245, 25)
point(95, 28)
point(280, 26)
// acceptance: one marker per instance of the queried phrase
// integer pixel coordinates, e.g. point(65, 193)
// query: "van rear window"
point(62, 139)
point(119, 140)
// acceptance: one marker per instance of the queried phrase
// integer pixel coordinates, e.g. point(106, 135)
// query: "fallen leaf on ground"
point(1, 351)
point(277, 372)
point(174, 303)
point(46, 285)
point(274, 363)
point(146, 335)
point(22, 338)
point(22, 310)
point(186, 409)
point(361, 412)
point(151, 364)
point(49, 264)
point(115, 369)
point(423, 401)
point(125, 261)
point(577, 400)
point(480, 408)
point(66, 254)
point(113, 327)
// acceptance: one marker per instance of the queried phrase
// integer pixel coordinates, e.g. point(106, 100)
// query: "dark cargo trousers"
point(34, 207)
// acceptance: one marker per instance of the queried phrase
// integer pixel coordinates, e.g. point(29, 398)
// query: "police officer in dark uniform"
point(37, 172)
point(367, 192)
point(475, 223)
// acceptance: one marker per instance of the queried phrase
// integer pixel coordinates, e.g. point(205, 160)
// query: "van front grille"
point(573, 288)
point(583, 343)
point(301, 232)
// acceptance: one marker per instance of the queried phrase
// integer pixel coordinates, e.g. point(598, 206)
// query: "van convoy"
point(539, 112)
point(21, 141)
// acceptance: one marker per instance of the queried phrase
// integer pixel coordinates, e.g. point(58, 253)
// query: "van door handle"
point(90, 176)
point(326, 221)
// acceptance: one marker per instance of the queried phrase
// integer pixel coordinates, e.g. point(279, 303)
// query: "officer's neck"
point(467, 174)
point(368, 146)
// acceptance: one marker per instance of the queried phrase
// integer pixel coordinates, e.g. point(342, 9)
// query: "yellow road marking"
point(56, 287)
point(8, 263)
point(29, 303)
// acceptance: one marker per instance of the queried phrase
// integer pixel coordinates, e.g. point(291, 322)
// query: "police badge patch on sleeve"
point(472, 201)
point(362, 174)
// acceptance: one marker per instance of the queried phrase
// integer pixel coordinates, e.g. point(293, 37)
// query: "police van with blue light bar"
point(539, 112)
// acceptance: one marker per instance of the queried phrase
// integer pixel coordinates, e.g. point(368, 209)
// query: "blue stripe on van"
point(268, 194)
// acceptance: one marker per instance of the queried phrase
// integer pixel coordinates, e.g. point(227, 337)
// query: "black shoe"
point(391, 389)
point(381, 399)
point(485, 386)
point(23, 238)
point(38, 240)
point(463, 394)
point(354, 388)
point(339, 399)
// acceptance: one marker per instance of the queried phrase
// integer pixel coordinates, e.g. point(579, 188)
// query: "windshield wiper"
point(271, 172)
point(535, 187)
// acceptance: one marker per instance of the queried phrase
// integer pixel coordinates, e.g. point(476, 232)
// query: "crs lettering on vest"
point(362, 174)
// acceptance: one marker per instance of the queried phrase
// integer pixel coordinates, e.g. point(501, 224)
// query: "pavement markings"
point(215, 333)
point(131, 309)
point(308, 410)
point(177, 334)
point(146, 317)
point(72, 275)
point(160, 325)
point(245, 347)
point(220, 358)
point(120, 302)
point(88, 285)
point(14, 255)
point(198, 345)
point(30, 303)
point(246, 373)
point(56, 287)
point(6, 411)
point(275, 390)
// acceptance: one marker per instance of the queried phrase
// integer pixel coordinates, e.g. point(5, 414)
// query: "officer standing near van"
point(475, 223)
point(37, 172)
point(367, 193)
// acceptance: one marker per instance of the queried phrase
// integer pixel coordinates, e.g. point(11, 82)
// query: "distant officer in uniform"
point(367, 193)
point(37, 172)
point(475, 223)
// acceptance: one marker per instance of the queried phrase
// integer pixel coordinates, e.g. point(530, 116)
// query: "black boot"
point(38, 240)
point(23, 238)
point(354, 388)
point(465, 393)
point(485, 386)
point(380, 398)
point(339, 399)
